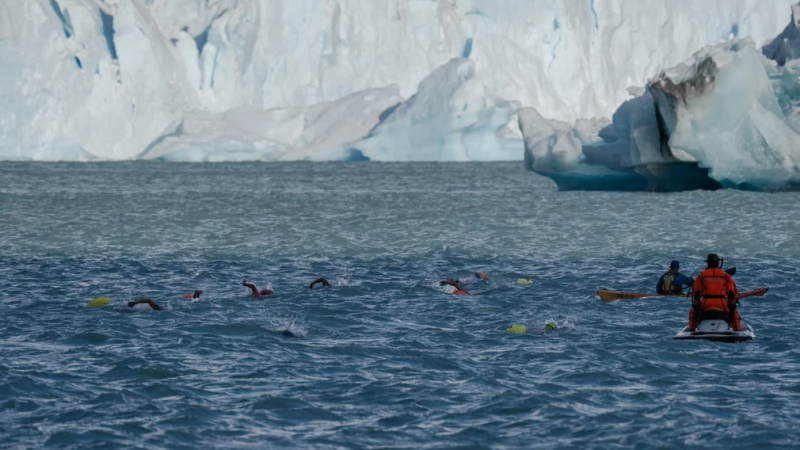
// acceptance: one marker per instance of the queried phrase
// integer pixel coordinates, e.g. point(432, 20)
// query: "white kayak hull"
point(718, 331)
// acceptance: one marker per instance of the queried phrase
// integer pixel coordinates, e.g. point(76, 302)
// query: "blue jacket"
point(678, 283)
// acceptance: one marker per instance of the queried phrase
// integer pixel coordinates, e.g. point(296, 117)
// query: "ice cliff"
point(308, 79)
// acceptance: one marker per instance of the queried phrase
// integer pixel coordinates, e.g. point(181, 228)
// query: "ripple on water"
point(384, 357)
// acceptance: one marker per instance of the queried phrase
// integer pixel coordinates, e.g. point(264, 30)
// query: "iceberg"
point(734, 112)
point(115, 79)
point(625, 154)
point(728, 116)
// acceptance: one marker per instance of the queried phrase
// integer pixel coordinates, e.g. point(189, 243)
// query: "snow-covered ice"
point(452, 117)
point(326, 131)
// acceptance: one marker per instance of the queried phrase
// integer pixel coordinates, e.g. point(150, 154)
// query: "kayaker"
point(255, 291)
point(715, 296)
point(673, 281)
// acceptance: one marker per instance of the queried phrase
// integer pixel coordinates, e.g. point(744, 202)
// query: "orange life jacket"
point(714, 286)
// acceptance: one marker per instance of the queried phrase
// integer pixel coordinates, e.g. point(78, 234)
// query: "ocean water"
point(384, 358)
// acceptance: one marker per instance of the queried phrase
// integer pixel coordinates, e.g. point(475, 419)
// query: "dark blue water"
point(384, 358)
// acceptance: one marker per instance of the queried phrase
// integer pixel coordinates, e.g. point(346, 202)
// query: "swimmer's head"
point(198, 293)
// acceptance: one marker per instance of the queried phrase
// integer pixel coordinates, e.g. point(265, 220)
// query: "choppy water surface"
point(383, 359)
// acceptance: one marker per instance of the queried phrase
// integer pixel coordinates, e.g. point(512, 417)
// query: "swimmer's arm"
point(457, 285)
point(145, 300)
point(321, 280)
point(251, 286)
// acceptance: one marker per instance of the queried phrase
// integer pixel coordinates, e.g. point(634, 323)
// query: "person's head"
point(197, 293)
point(713, 261)
point(675, 266)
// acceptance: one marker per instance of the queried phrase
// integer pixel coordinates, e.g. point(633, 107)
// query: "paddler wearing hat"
point(715, 296)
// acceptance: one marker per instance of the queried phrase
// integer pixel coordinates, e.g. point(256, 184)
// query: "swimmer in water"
point(256, 292)
point(196, 294)
point(480, 276)
point(455, 284)
point(145, 301)
point(321, 280)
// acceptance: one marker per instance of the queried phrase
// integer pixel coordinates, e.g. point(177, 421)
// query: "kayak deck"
point(612, 296)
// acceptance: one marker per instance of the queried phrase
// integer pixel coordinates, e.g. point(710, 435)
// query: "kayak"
point(613, 296)
point(717, 331)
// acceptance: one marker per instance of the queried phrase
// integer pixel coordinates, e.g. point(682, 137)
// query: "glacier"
point(728, 116)
point(197, 80)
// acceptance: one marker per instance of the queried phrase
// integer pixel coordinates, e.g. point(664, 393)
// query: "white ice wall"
point(569, 59)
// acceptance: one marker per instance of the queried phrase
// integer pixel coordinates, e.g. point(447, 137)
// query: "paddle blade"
point(731, 271)
point(756, 293)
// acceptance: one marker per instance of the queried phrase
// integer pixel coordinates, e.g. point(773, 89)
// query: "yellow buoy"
point(99, 301)
point(517, 329)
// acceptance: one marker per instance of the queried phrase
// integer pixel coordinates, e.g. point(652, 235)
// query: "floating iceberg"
point(733, 111)
point(626, 155)
point(726, 117)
